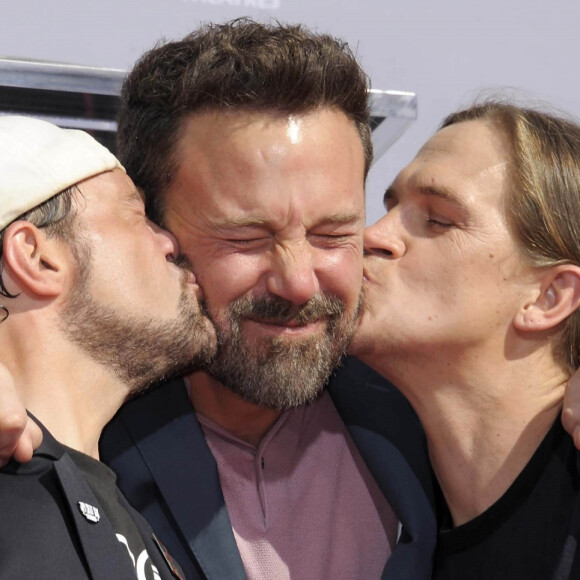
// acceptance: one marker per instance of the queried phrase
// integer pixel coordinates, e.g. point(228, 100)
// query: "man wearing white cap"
point(93, 308)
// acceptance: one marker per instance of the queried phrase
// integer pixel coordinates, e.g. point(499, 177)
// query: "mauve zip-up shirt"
point(303, 504)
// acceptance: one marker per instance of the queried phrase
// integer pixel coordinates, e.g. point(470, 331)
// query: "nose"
point(383, 238)
point(167, 242)
point(292, 274)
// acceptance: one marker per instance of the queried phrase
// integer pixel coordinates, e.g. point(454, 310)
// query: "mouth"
point(190, 281)
point(184, 265)
point(190, 277)
point(287, 327)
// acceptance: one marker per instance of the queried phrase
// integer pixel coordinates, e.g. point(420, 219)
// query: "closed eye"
point(333, 236)
point(244, 241)
point(331, 241)
point(439, 222)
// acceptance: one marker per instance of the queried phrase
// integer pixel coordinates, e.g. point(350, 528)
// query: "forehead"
point(237, 163)
point(103, 193)
point(468, 161)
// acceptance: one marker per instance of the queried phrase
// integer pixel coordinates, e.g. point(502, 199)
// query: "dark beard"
point(281, 372)
point(140, 351)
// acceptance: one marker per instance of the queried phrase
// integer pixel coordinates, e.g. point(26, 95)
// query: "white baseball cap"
point(39, 160)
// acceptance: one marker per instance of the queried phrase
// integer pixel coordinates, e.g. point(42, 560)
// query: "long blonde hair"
point(543, 204)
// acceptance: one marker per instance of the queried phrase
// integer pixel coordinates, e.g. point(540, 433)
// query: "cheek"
point(227, 277)
point(453, 284)
point(341, 274)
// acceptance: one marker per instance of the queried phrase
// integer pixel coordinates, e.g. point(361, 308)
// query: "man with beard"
point(251, 144)
point(94, 309)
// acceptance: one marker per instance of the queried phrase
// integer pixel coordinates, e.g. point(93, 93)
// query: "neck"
point(483, 421)
point(73, 396)
point(224, 407)
point(480, 453)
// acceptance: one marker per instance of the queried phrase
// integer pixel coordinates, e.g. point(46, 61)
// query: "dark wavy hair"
point(240, 65)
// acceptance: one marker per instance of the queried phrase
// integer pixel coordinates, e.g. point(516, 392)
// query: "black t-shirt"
point(531, 532)
point(103, 483)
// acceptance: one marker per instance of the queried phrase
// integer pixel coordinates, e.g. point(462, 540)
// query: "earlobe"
point(558, 298)
point(33, 261)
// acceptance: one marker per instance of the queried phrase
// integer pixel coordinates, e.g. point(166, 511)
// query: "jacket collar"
point(204, 520)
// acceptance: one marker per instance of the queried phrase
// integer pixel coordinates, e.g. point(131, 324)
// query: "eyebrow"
point(341, 219)
point(439, 191)
point(249, 222)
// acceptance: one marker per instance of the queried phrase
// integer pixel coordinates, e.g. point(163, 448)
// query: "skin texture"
point(77, 327)
point(477, 317)
point(444, 248)
point(129, 254)
point(268, 206)
point(217, 399)
point(148, 326)
point(19, 436)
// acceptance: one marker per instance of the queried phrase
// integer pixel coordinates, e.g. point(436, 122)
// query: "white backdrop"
point(444, 50)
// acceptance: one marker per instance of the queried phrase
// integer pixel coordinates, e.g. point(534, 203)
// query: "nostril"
point(377, 251)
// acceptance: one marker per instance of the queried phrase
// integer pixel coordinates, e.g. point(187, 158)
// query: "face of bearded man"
point(280, 372)
point(139, 349)
point(270, 210)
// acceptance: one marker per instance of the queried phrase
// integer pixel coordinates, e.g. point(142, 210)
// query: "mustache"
point(182, 261)
point(278, 310)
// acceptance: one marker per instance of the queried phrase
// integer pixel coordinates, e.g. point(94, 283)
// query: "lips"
point(190, 280)
point(188, 277)
point(292, 323)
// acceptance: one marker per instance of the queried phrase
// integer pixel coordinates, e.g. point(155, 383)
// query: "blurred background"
point(445, 51)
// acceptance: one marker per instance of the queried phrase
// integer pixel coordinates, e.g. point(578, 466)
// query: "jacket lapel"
point(155, 548)
point(105, 556)
point(193, 492)
point(388, 436)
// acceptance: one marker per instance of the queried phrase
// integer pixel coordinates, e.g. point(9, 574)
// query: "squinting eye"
point(331, 240)
point(245, 242)
point(333, 236)
point(438, 222)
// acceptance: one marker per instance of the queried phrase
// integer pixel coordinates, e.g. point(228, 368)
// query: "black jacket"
point(43, 533)
point(166, 470)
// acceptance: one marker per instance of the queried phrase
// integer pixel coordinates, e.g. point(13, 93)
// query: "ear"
point(558, 298)
point(34, 263)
